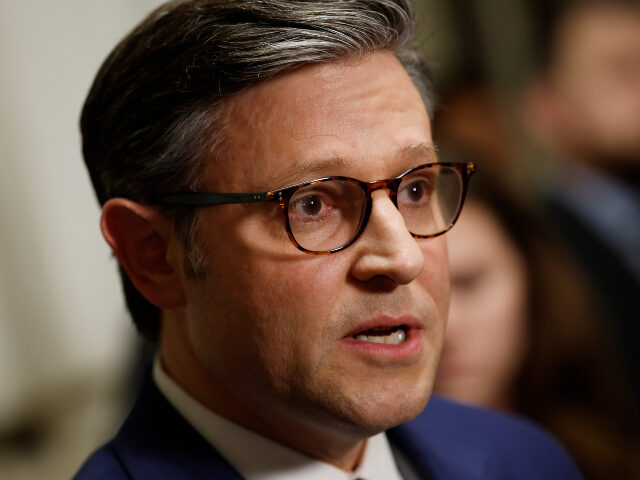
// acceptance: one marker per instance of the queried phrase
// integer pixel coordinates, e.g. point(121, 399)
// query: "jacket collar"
point(156, 442)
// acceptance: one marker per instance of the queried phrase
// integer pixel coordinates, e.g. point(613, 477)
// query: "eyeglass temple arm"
point(199, 198)
point(471, 168)
point(203, 199)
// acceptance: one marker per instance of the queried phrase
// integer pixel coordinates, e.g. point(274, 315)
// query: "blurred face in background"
point(486, 339)
point(594, 86)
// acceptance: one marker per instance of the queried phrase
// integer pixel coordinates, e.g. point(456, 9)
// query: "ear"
point(143, 240)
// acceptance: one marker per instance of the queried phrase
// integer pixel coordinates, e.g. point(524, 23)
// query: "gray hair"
point(151, 120)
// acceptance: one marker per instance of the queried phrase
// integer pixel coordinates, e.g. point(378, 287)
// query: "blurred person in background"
point(525, 337)
point(583, 109)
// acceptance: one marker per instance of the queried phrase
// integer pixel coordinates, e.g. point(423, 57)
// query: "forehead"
point(354, 116)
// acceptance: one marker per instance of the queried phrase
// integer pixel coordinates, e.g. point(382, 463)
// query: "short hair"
point(150, 121)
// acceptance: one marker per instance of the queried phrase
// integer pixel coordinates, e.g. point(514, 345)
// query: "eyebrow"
point(306, 170)
point(423, 148)
point(303, 171)
point(333, 163)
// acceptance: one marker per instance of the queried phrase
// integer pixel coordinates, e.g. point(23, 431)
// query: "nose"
point(386, 247)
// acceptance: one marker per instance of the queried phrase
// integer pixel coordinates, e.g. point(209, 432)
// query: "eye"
point(310, 207)
point(415, 191)
point(468, 280)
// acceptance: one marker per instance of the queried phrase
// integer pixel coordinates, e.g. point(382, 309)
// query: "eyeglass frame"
point(282, 196)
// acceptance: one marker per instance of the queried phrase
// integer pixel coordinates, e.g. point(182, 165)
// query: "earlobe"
point(140, 237)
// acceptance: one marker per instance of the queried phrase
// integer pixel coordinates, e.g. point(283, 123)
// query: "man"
point(295, 325)
point(584, 109)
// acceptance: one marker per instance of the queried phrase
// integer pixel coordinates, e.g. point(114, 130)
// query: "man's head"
point(251, 97)
point(588, 102)
point(152, 118)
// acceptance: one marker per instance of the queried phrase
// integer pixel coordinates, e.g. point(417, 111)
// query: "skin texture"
point(263, 338)
point(486, 338)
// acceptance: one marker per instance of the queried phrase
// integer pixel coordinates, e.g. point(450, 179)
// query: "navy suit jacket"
point(446, 442)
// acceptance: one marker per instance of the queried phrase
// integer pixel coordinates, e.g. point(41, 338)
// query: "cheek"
point(302, 290)
point(489, 322)
point(435, 277)
point(286, 308)
point(504, 323)
point(598, 111)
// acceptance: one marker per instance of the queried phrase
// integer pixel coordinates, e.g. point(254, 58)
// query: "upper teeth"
point(395, 338)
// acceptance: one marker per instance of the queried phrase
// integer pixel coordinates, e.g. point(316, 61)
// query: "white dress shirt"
point(257, 458)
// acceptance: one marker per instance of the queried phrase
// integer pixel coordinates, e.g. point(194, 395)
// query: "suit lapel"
point(156, 442)
point(428, 443)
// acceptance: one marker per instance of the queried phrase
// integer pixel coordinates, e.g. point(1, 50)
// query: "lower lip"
point(410, 348)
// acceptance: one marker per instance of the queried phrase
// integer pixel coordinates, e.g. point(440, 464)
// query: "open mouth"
point(387, 335)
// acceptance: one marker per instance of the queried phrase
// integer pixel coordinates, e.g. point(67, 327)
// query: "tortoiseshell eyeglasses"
point(329, 214)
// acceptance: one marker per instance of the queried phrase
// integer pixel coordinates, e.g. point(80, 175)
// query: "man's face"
point(596, 74)
point(273, 327)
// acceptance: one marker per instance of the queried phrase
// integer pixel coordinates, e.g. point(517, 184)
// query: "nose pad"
point(386, 247)
point(388, 185)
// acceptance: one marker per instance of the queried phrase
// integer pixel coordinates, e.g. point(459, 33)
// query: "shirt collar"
point(269, 460)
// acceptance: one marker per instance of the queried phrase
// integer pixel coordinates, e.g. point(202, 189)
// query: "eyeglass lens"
point(326, 215)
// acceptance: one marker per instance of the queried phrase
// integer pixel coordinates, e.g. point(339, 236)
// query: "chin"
point(380, 411)
point(378, 420)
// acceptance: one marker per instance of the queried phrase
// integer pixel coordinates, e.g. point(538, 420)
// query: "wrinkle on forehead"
point(294, 125)
point(410, 155)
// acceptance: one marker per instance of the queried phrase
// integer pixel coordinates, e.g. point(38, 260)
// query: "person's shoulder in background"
point(458, 442)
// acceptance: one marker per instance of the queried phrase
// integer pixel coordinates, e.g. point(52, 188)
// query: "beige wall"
point(64, 331)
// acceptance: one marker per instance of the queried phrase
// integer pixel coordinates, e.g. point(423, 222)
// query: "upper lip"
point(386, 321)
